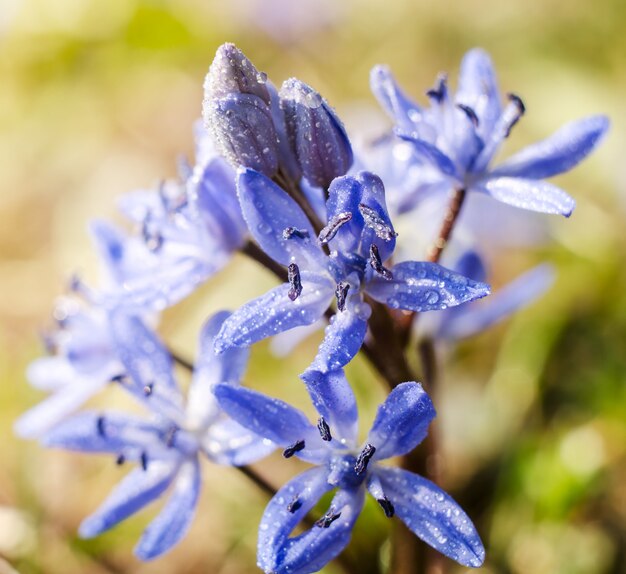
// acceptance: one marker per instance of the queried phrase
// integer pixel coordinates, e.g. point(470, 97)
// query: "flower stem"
point(445, 231)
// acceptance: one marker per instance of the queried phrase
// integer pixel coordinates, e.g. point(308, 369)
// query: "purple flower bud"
point(237, 112)
point(316, 134)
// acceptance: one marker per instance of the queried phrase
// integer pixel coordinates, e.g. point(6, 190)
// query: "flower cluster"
point(276, 178)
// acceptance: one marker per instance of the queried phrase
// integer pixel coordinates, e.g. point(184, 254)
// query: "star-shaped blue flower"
point(458, 136)
point(359, 238)
point(167, 446)
point(401, 424)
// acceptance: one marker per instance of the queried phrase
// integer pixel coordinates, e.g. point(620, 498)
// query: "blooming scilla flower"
point(166, 447)
point(344, 262)
point(401, 423)
point(457, 137)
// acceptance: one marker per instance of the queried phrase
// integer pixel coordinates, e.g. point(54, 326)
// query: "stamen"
point(440, 91)
point(152, 239)
point(521, 110)
point(293, 276)
point(144, 460)
point(377, 223)
point(147, 389)
point(341, 292)
point(387, 506)
point(377, 264)
point(470, 113)
point(324, 429)
point(328, 518)
point(293, 448)
point(120, 460)
point(100, 426)
point(360, 466)
point(290, 232)
point(122, 379)
point(333, 226)
point(170, 436)
point(294, 505)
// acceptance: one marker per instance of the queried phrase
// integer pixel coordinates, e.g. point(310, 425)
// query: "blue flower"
point(166, 447)
point(467, 320)
point(360, 239)
point(401, 424)
point(186, 232)
point(458, 137)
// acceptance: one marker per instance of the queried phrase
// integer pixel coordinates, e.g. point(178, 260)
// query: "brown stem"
point(445, 232)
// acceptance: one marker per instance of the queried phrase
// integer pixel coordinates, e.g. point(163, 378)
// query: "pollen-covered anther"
point(440, 91)
point(143, 459)
point(381, 228)
point(153, 239)
point(333, 226)
point(324, 429)
point(328, 518)
point(515, 114)
point(148, 389)
point(100, 426)
point(290, 232)
point(377, 264)
point(120, 460)
point(293, 276)
point(341, 293)
point(360, 466)
point(294, 505)
point(293, 448)
point(470, 113)
point(387, 506)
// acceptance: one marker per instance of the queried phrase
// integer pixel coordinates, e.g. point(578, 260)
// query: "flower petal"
point(558, 153)
point(392, 99)
point(401, 421)
point(333, 398)
point(173, 522)
point(227, 442)
point(268, 211)
point(50, 373)
point(344, 196)
point(275, 312)
point(314, 548)
point(139, 487)
point(433, 515)
point(530, 194)
point(430, 154)
point(343, 338)
point(270, 418)
point(467, 320)
point(378, 229)
point(422, 286)
point(478, 89)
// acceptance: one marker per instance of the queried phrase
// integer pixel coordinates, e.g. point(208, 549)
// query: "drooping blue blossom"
point(472, 318)
point(184, 233)
point(82, 361)
point(360, 239)
point(166, 447)
point(457, 137)
point(401, 424)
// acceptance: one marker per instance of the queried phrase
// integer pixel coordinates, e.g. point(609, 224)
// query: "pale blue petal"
point(430, 154)
point(50, 373)
point(275, 312)
point(343, 338)
point(173, 522)
point(558, 153)
point(313, 549)
point(139, 488)
point(333, 398)
point(422, 286)
point(398, 106)
point(374, 198)
point(268, 211)
point(227, 442)
point(344, 196)
point(402, 421)
point(278, 522)
point(110, 243)
point(467, 320)
point(211, 369)
point(531, 194)
point(471, 265)
point(272, 419)
point(433, 516)
point(478, 89)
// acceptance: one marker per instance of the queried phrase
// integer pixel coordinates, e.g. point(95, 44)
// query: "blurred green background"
point(97, 98)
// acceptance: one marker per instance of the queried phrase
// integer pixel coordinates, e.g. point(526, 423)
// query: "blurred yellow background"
point(98, 98)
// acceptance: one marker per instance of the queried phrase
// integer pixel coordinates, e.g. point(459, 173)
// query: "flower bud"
point(316, 134)
point(236, 111)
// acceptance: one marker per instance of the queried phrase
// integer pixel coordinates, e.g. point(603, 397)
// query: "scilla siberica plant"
point(274, 178)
